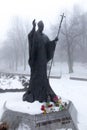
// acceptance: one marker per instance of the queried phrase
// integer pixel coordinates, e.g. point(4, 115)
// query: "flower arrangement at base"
point(57, 105)
point(43, 108)
point(57, 100)
point(47, 108)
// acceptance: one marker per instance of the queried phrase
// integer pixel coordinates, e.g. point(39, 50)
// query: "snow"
point(12, 81)
point(73, 90)
point(10, 84)
point(17, 104)
point(76, 91)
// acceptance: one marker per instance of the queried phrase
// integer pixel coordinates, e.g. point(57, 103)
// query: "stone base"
point(66, 119)
point(82, 77)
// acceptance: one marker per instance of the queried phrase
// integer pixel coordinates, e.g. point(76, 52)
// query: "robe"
point(41, 50)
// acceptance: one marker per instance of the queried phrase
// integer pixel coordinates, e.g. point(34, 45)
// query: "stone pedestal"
point(66, 119)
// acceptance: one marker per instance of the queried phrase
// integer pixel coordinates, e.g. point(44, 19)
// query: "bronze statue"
point(41, 51)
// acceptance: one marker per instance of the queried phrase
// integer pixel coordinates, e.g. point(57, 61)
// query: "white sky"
point(46, 10)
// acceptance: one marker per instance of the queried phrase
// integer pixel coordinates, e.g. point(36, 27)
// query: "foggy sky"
point(46, 10)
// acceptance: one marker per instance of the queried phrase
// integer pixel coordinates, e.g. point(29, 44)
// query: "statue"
point(41, 51)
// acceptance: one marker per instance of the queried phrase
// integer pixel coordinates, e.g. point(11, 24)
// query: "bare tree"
point(7, 57)
point(17, 36)
point(71, 32)
point(70, 37)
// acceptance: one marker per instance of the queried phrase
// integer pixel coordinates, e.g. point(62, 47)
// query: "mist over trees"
point(15, 49)
point(71, 47)
point(73, 39)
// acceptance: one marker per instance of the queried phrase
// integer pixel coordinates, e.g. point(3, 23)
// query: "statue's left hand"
point(34, 23)
point(56, 39)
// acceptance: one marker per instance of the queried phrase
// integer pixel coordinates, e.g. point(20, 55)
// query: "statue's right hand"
point(34, 23)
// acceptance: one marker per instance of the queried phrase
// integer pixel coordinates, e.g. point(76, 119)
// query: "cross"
point(62, 16)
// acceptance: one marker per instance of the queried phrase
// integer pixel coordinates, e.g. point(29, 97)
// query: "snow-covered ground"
point(73, 90)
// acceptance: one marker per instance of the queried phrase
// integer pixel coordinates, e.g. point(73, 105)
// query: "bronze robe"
point(41, 50)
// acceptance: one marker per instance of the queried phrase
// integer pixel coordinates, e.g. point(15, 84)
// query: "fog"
point(16, 21)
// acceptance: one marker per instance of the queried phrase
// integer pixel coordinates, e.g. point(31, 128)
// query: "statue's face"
point(40, 26)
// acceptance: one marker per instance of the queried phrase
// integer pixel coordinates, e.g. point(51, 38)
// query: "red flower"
point(50, 105)
point(55, 98)
point(42, 107)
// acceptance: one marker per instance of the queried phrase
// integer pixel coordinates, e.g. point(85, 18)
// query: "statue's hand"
point(56, 39)
point(34, 23)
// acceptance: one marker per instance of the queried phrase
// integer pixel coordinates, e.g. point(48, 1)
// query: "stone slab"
point(66, 119)
point(82, 77)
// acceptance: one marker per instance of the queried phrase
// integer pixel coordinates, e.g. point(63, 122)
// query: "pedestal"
point(66, 119)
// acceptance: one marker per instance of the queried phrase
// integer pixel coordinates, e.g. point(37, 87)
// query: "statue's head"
point(40, 26)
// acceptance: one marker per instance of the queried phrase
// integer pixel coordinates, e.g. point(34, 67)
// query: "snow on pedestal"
point(30, 117)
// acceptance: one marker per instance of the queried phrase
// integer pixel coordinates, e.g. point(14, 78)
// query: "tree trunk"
point(70, 59)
